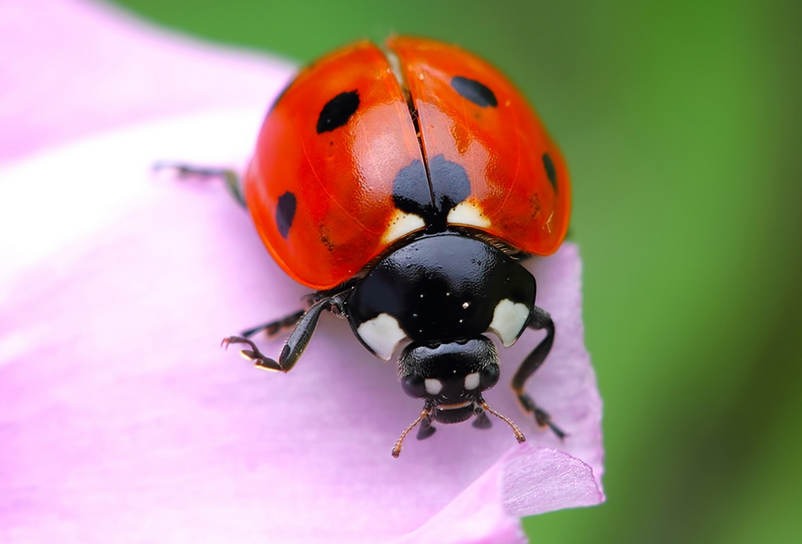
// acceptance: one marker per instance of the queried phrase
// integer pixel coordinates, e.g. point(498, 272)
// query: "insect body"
point(405, 185)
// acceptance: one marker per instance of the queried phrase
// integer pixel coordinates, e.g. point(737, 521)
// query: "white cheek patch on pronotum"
point(433, 386)
point(468, 214)
point(509, 320)
point(382, 334)
point(402, 224)
point(471, 381)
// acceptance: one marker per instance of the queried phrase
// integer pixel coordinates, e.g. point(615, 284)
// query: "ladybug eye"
point(414, 386)
point(489, 377)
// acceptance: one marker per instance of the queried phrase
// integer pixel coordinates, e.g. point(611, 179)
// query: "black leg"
point(481, 421)
point(539, 320)
point(274, 328)
point(426, 428)
point(230, 177)
point(296, 343)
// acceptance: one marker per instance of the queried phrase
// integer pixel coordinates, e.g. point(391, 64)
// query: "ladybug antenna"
point(519, 436)
point(397, 447)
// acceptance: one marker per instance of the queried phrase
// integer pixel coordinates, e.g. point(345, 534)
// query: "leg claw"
point(543, 420)
point(253, 354)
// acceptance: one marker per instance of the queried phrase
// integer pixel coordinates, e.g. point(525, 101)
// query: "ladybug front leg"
point(538, 320)
point(231, 178)
point(296, 343)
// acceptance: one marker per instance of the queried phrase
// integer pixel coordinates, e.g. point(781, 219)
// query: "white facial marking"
point(509, 320)
point(433, 386)
point(467, 213)
point(382, 334)
point(472, 381)
point(402, 224)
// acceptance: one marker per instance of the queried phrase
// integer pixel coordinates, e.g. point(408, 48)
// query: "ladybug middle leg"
point(274, 328)
point(297, 341)
point(539, 320)
point(230, 177)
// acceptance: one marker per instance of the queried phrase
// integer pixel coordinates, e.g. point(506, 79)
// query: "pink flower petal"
point(69, 68)
point(123, 421)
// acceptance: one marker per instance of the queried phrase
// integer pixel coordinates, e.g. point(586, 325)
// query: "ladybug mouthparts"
point(454, 413)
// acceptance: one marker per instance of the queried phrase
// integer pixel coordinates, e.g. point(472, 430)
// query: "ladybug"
point(405, 184)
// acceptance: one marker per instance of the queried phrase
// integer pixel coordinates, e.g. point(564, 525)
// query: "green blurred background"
point(681, 124)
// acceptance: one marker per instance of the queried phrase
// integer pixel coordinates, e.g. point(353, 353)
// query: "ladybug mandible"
point(405, 184)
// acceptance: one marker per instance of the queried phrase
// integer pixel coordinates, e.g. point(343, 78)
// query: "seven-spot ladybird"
point(405, 184)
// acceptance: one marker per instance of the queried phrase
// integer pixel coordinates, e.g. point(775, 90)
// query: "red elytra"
point(363, 134)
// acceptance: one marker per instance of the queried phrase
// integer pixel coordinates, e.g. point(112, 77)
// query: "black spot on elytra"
point(412, 192)
point(551, 172)
point(285, 213)
point(449, 182)
point(474, 91)
point(337, 111)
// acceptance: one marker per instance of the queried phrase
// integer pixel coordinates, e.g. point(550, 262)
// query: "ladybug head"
point(450, 376)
